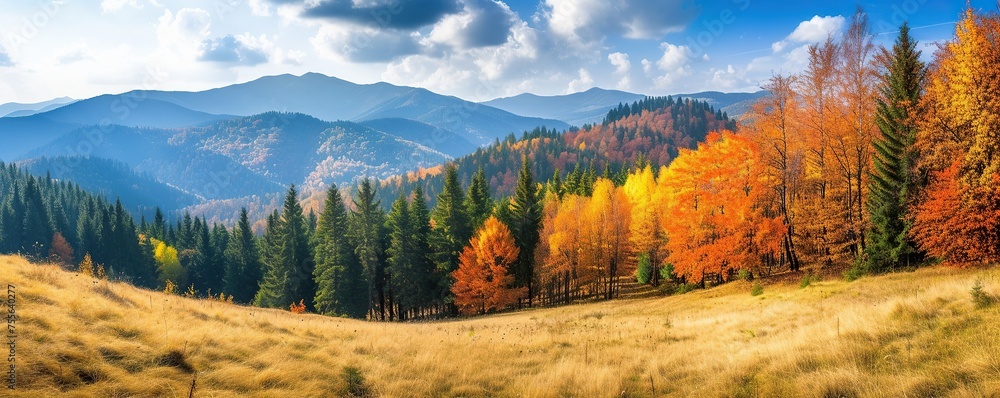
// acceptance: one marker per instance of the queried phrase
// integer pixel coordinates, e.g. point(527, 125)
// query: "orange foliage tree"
point(483, 281)
point(719, 214)
point(959, 139)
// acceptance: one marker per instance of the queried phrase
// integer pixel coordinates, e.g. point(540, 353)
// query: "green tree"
point(289, 263)
point(478, 202)
point(526, 219)
point(243, 269)
point(891, 183)
point(366, 223)
point(339, 280)
point(452, 229)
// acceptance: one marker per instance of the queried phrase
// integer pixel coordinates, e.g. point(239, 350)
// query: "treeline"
point(869, 159)
point(56, 220)
point(650, 131)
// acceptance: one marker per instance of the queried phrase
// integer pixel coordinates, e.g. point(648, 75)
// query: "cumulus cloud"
point(387, 14)
point(485, 73)
point(812, 31)
point(673, 65)
point(259, 8)
point(588, 21)
point(581, 83)
point(363, 44)
point(189, 25)
point(231, 50)
point(482, 23)
point(623, 69)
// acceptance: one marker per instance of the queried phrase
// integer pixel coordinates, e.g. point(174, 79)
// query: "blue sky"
point(474, 49)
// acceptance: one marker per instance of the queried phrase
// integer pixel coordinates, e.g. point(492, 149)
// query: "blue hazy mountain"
point(446, 141)
point(22, 134)
point(14, 109)
point(251, 155)
point(330, 98)
point(138, 192)
point(576, 109)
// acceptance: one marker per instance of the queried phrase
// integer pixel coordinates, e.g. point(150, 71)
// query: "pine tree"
point(289, 262)
point(243, 271)
point(367, 223)
point(478, 202)
point(891, 184)
point(424, 270)
point(451, 228)
point(340, 284)
point(403, 260)
point(526, 218)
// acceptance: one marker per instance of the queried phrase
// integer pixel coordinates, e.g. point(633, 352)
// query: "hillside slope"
point(907, 334)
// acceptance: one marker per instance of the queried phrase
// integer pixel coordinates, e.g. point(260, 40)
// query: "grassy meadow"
point(910, 334)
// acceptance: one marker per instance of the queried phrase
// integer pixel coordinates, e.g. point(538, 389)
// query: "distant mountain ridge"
point(589, 107)
point(330, 98)
point(247, 156)
point(577, 109)
point(14, 109)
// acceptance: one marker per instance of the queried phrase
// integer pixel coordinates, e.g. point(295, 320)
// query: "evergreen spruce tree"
point(478, 202)
point(424, 271)
point(367, 231)
point(243, 271)
point(290, 263)
point(526, 218)
point(891, 184)
point(401, 269)
point(340, 287)
point(452, 230)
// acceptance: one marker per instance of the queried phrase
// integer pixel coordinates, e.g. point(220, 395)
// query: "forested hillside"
point(647, 131)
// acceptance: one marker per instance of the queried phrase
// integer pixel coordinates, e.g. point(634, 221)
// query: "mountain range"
point(14, 109)
point(253, 139)
point(590, 107)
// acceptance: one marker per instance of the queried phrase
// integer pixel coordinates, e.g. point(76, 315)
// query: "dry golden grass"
point(910, 334)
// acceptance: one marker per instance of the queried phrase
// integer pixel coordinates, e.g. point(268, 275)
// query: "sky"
point(474, 49)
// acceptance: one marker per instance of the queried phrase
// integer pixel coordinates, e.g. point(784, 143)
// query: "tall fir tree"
point(367, 231)
point(425, 270)
point(289, 264)
point(478, 202)
point(243, 268)
point(891, 183)
point(452, 229)
point(340, 285)
point(526, 219)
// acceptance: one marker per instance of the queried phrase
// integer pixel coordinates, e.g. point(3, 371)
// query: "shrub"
point(757, 289)
point(355, 382)
point(298, 308)
point(644, 270)
point(744, 274)
point(87, 265)
point(667, 272)
point(808, 279)
point(980, 298)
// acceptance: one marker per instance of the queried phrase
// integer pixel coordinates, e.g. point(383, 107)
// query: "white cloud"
point(584, 22)
point(581, 83)
point(259, 8)
point(185, 30)
point(482, 23)
point(623, 69)
point(363, 44)
point(673, 65)
point(812, 31)
point(117, 5)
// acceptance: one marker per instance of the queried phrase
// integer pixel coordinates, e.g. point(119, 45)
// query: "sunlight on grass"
point(907, 334)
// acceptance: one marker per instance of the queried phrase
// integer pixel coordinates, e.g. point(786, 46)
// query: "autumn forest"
point(868, 162)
